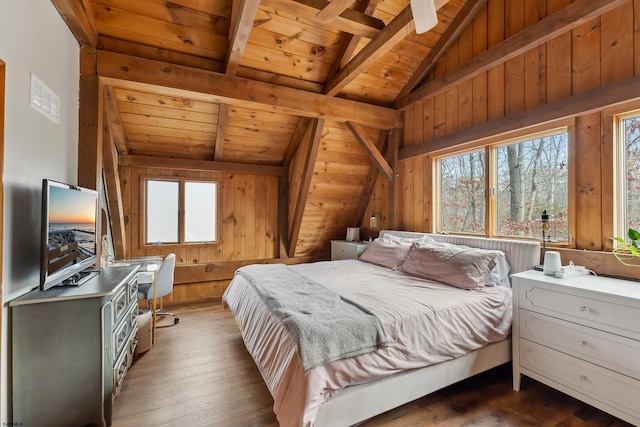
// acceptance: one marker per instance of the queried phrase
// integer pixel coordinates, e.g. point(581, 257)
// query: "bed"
point(433, 334)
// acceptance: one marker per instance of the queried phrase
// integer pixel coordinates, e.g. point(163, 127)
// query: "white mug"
point(552, 263)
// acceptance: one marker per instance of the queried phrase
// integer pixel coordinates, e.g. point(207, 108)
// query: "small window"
point(462, 193)
point(199, 211)
point(180, 212)
point(162, 211)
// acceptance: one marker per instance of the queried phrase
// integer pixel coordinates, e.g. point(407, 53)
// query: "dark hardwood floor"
point(198, 373)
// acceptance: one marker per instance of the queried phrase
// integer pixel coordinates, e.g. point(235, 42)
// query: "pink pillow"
point(386, 253)
point(462, 267)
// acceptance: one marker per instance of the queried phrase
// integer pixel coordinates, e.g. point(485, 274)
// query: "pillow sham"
point(462, 267)
point(386, 253)
point(499, 275)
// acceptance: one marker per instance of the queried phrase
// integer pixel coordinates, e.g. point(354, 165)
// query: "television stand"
point(71, 348)
point(80, 278)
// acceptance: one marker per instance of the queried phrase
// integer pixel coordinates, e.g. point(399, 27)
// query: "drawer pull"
point(585, 308)
point(583, 378)
point(583, 343)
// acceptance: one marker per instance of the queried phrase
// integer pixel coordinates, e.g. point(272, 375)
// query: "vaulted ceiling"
point(246, 81)
point(365, 51)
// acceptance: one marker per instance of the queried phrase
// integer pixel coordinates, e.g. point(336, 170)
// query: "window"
point(167, 223)
point(462, 193)
point(525, 177)
point(532, 177)
point(628, 171)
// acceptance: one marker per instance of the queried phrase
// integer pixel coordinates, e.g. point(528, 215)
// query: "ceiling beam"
point(364, 140)
point(566, 19)
point(382, 43)
point(223, 116)
point(79, 18)
point(114, 195)
point(370, 182)
point(350, 21)
point(200, 165)
point(350, 41)
point(241, 30)
point(303, 190)
point(577, 105)
point(114, 122)
point(161, 77)
point(463, 19)
point(332, 10)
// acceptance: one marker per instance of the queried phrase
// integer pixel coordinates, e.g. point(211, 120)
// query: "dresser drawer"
point(608, 350)
point(132, 289)
point(590, 309)
point(119, 306)
point(604, 386)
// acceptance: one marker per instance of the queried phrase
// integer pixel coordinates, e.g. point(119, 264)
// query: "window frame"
point(490, 144)
point(619, 194)
point(181, 211)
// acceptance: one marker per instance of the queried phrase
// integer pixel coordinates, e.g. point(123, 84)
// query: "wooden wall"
point(600, 52)
point(248, 228)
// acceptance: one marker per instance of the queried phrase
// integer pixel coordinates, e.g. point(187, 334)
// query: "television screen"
point(68, 233)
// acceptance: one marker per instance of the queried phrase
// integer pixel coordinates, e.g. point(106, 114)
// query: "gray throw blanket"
point(324, 325)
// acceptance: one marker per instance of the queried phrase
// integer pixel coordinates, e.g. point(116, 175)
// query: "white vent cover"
point(44, 99)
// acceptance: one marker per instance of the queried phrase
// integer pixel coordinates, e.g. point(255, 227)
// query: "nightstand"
point(341, 249)
point(580, 335)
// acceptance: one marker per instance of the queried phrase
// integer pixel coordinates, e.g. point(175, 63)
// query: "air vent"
point(44, 99)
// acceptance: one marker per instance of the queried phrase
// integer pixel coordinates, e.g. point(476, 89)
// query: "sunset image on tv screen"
point(72, 218)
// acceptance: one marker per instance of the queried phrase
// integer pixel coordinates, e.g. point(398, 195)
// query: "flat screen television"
point(68, 248)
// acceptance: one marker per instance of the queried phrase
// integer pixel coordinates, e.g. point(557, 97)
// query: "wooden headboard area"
point(522, 255)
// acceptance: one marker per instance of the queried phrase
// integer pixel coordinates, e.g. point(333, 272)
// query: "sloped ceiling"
point(243, 81)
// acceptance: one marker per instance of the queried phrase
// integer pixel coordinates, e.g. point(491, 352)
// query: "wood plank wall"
point(600, 52)
point(248, 228)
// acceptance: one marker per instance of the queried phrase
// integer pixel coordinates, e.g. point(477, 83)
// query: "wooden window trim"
point(489, 145)
point(181, 212)
point(612, 157)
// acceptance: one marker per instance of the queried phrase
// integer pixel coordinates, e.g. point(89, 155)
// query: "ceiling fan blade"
point(424, 15)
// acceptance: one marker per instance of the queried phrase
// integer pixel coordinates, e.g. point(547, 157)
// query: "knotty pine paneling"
point(599, 52)
point(247, 225)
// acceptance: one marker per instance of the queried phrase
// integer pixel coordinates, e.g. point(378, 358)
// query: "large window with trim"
point(502, 189)
point(628, 172)
point(180, 211)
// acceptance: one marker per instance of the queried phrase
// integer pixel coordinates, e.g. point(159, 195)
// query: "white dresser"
point(342, 249)
point(580, 335)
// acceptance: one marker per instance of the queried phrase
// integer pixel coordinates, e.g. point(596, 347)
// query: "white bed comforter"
point(426, 322)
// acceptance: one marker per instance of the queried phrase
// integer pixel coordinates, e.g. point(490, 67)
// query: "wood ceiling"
point(363, 51)
point(246, 81)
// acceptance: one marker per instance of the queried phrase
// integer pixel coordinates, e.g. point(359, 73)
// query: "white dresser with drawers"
point(580, 335)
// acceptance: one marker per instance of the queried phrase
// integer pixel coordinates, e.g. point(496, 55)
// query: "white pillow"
point(499, 274)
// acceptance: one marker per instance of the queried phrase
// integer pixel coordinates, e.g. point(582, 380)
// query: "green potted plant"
point(627, 253)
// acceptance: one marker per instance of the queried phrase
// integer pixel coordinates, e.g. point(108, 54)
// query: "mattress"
point(427, 323)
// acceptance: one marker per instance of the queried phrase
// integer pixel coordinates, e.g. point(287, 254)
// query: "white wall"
point(33, 39)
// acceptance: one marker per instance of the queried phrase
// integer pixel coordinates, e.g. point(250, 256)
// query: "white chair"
point(164, 286)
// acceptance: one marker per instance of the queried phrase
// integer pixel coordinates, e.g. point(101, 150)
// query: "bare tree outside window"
point(632, 173)
point(532, 177)
point(462, 193)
